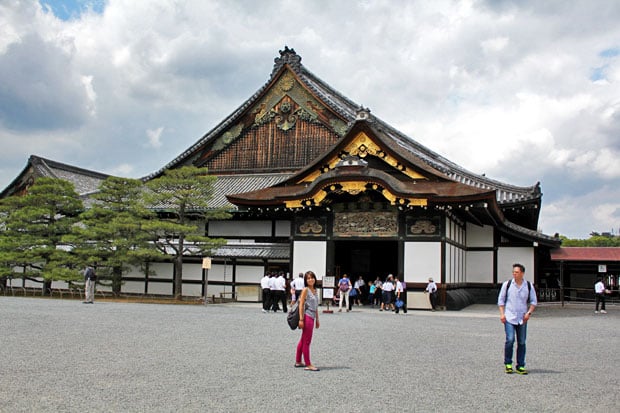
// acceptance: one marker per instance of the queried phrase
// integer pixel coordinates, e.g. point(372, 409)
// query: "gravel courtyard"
point(64, 356)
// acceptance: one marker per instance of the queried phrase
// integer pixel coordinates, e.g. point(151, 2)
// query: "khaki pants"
point(89, 291)
point(344, 295)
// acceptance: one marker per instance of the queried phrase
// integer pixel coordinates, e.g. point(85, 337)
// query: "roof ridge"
point(50, 164)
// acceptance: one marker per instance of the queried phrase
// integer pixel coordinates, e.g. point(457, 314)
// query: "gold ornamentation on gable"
point(287, 81)
point(286, 89)
point(355, 188)
point(338, 126)
point(303, 106)
point(228, 136)
point(362, 145)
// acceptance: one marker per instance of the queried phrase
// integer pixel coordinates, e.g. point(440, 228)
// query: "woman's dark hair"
point(309, 274)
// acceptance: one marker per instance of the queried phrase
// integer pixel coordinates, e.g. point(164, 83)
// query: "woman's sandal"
point(312, 368)
point(300, 365)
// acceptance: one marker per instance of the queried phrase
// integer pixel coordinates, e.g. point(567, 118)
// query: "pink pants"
point(303, 347)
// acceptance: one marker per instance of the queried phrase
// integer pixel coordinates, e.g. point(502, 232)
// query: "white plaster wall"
point(134, 287)
point(192, 272)
point(135, 271)
point(163, 270)
point(215, 290)
point(479, 236)
point(239, 228)
point(506, 256)
point(310, 255)
point(192, 290)
point(463, 264)
point(283, 228)
point(249, 273)
point(454, 264)
point(450, 276)
point(479, 267)
point(160, 288)
point(221, 272)
point(422, 260)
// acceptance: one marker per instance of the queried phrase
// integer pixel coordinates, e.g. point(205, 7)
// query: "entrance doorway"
point(370, 259)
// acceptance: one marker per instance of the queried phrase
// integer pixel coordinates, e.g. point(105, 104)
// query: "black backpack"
point(529, 290)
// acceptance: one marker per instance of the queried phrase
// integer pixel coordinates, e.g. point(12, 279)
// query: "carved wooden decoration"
point(366, 224)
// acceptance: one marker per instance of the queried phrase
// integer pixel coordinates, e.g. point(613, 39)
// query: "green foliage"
point(110, 234)
point(50, 234)
point(33, 227)
point(595, 240)
point(181, 197)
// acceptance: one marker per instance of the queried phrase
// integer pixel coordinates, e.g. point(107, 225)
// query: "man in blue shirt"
point(514, 312)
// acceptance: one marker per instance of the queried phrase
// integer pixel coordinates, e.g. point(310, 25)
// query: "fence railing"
point(574, 295)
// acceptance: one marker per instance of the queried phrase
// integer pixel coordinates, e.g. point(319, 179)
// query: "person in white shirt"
point(401, 295)
point(517, 301)
point(264, 285)
point(431, 289)
point(280, 292)
point(298, 286)
point(273, 293)
point(358, 287)
point(599, 296)
point(388, 294)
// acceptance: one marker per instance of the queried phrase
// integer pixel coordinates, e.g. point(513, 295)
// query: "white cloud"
point(502, 88)
point(494, 45)
point(154, 136)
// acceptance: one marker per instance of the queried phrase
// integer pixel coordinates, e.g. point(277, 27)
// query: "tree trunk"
point(117, 276)
point(178, 271)
point(47, 288)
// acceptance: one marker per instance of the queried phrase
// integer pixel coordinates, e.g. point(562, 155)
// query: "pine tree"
point(181, 198)
point(110, 235)
point(33, 227)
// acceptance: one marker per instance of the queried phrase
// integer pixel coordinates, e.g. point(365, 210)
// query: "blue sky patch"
point(612, 52)
point(72, 9)
point(598, 73)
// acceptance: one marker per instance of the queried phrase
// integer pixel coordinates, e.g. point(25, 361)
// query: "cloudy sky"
point(522, 91)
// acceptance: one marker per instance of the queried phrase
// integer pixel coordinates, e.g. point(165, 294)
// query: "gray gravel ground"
point(63, 356)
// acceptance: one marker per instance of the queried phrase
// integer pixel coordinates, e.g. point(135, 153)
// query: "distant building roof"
point(85, 181)
point(586, 254)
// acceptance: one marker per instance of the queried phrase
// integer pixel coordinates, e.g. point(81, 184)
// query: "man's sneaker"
point(603, 312)
point(508, 369)
point(596, 312)
point(521, 370)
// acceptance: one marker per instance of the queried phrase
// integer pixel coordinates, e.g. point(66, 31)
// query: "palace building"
point(317, 182)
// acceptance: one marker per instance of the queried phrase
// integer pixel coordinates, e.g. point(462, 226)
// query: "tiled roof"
point(84, 180)
point(447, 189)
point(234, 184)
point(506, 194)
point(254, 250)
point(586, 254)
point(230, 184)
point(534, 235)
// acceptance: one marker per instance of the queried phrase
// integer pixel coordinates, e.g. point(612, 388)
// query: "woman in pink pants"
point(308, 319)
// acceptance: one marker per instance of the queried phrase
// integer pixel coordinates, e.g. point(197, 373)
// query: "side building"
point(315, 181)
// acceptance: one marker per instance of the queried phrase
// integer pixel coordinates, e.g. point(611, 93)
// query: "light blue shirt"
point(516, 301)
